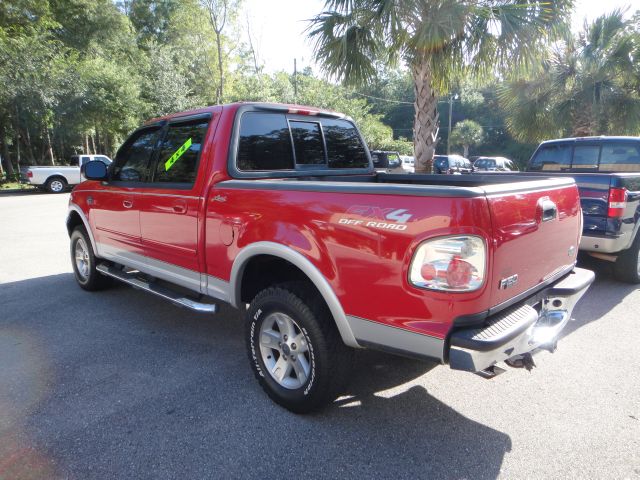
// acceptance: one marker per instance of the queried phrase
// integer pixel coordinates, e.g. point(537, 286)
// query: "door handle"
point(547, 210)
point(127, 203)
point(179, 208)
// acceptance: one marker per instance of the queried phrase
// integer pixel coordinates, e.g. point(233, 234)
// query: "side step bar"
point(158, 290)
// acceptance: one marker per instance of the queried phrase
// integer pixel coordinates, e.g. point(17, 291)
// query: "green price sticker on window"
point(176, 156)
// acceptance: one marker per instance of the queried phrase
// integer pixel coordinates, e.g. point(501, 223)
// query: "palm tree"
point(588, 85)
point(468, 134)
point(440, 40)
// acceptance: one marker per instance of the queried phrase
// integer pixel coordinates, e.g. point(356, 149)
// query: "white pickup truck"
point(56, 179)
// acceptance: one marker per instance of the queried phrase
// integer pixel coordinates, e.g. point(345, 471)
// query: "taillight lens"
point(617, 202)
point(29, 174)
point(453, 264)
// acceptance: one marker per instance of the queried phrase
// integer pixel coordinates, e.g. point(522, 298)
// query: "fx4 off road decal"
point(176, 156)
point(376, 217)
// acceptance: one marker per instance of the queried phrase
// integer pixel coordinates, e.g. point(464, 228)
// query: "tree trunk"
point(49, 147)
point(425, 123)
point(466, 151)
point(5, 155)
point(220, 92)
point(86, 145)
point(93, 143)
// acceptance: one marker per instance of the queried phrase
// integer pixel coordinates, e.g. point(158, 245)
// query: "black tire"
point(327, 357)
point(627, 266)
point(56, 185)
point(90, 279)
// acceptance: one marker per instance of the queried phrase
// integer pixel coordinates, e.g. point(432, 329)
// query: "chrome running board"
point(135, 281)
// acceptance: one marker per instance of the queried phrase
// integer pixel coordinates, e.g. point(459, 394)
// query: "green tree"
point(467, 133)
point(438, 40)
point(588, 85)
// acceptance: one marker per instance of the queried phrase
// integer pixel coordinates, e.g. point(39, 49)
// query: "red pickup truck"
point(277, 209)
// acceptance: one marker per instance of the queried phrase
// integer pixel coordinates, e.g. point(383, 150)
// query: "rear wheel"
point(627, 266)
point(84, 262)
point(56, 185)
point(294, 348)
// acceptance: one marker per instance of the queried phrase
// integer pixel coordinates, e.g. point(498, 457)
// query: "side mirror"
point(94, 170)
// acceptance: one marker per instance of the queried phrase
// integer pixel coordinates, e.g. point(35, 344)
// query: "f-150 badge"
point(508, 282)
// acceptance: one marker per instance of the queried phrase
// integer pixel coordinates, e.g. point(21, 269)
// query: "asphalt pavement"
point(122, 385)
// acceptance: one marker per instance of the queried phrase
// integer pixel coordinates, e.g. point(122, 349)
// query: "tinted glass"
point(586, 156)
point(104, 160)
point(307, 143)
point(441, 162)
point(265, 143)
point(344, 147)
point(132, 160)
point(552, 157)
point(180, 153)
point(620, 157)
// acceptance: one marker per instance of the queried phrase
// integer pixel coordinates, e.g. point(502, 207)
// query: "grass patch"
point(15, 186)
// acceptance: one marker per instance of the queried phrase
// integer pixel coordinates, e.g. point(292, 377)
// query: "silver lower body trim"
point(606, 245)
point(166, 271)
point(396, 340)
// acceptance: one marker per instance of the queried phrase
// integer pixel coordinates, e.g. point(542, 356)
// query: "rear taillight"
point(617, 202)
point(449, 263)
point(29, 174)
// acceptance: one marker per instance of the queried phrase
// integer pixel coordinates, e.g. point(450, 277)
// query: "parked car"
point(408, 163)
point(607, 171)
point(387, 162)
point(494, 164)
point(56, 179)
point(280, 208)
point(443, 164)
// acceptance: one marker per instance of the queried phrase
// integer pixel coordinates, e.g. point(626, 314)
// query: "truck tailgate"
point(536, 234)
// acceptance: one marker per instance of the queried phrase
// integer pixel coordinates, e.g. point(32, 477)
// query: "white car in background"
point(56, 179)
point(408, 163)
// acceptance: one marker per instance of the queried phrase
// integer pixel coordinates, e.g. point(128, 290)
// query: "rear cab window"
point(291, 144)
point(554, 157)
point(620, 157)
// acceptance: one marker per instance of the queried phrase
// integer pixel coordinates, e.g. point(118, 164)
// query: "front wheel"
point(295, 350)
point(83, 261)
point(627, 266)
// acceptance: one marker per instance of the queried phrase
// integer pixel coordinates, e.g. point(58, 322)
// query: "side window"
point(265, 142)
point(180, 152)
point(132, 160)
point(307, 143)
point(552, 158)
point(104, 160)
point(586, 156)
point(344, 147)
point(620, 157)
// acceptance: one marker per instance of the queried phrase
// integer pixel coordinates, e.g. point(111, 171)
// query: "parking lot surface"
point(120, 384)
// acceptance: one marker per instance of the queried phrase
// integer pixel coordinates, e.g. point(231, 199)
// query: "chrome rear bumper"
point(520, 329)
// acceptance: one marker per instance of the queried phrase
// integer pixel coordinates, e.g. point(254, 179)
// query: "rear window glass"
point(268, 142)
point(620, 157)
point(307, 142)
point(180, 153)
point(441, 162)
point(344, 147)
point(552, 158)
point(265, 142)
point(586, 156)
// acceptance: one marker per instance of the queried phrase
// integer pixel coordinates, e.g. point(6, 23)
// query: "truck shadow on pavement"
point(118, 384)
point(611, 292)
